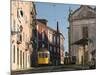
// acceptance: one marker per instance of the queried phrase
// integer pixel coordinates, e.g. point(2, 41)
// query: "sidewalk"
point(51, 69)
point(79, 67)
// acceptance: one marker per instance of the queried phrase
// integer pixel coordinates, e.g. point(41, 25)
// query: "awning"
point(83, 41)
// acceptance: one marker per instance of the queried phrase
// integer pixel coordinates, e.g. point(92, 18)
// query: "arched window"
point(54, 39)
point(43, 39)
point(85, 32)
point(21, 58)
point(57, 39)
point(13, 25)
point(14, 53)
point(43, 36)
point(50, 48)
point(18, 56)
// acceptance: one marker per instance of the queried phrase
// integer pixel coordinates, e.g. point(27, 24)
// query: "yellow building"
point(22, 14)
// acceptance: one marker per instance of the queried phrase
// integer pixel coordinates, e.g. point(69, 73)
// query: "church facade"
point(82, 33)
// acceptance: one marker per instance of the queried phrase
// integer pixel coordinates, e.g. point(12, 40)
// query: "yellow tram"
point(43, 57)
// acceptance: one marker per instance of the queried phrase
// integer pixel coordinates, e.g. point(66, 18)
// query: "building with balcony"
point(22, 18)
point(50, 39)
point(42, 33)
point(82, 33)
point(41, 40)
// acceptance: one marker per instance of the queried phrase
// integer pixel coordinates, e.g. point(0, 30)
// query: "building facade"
point(42, 33)
point(82, 32)
point(51, 45)
point(41, 39)
point(56, 46)
point(21, 33)
point(62, 49)
point(50, 40)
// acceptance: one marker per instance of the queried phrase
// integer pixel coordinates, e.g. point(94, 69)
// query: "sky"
point(54, 12)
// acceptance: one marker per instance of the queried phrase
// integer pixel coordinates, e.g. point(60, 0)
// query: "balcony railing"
point(13, 32)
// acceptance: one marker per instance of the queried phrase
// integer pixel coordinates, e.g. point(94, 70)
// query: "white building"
point(21, 33)
point(82, 24)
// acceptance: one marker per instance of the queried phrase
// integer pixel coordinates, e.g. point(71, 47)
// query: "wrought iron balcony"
point(13, 32)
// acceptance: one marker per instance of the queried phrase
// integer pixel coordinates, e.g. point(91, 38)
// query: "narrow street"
point(51, 69)
point(45, 34)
